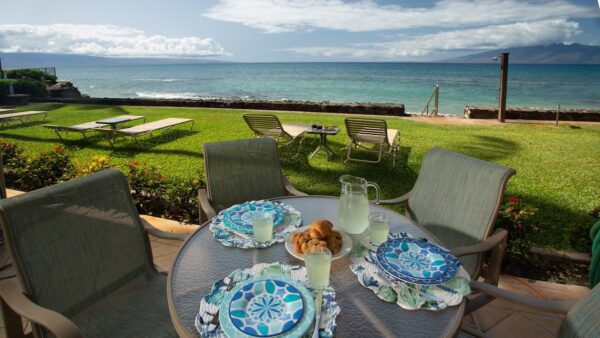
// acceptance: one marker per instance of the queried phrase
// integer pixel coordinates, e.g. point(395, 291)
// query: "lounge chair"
point(143, 129)
point(4, 110)
point(373, 132)
point(240, 171)
point(456, 198)
point(5, 119)
point(267, 125)
point(84, 263)
point(83, 128)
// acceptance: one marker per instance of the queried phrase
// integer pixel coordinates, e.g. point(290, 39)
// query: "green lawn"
point(558, 169)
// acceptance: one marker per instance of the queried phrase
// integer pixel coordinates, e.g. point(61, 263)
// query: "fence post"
point(437, 99)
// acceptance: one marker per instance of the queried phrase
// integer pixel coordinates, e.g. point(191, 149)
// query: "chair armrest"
point(398, 200)
point(553, 306)
point(205, 208)
point(488, 244)
point(291, 189)
point(17, 304)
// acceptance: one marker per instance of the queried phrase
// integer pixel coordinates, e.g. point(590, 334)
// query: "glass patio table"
point(202, 260)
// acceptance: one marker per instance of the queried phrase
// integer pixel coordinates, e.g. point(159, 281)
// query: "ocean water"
point(546, 86)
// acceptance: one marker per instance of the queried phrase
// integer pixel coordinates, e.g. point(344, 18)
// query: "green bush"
point(34, 74)
point(47, 169)
point(150, 190)
point(514, 216)
point(34, 88)
point(12, 160)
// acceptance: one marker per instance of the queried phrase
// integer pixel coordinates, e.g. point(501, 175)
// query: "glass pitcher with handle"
point(354, 204)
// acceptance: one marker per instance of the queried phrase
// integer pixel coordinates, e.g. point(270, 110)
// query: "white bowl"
point(346, 244)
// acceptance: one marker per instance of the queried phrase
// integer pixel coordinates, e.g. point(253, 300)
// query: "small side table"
point(323, 132)
point(113, 122)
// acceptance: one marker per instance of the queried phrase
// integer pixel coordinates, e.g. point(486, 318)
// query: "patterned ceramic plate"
point(239, 217)
point(265, 307)
point(416, 261)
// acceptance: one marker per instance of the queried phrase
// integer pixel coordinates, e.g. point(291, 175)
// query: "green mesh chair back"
point(75, 243)
point(456, 197)
point(583, 320)
point(595, 263)
point(243, 170)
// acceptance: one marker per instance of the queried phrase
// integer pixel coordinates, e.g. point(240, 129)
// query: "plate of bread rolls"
point(319, 234)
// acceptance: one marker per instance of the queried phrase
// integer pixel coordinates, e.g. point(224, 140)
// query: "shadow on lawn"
point(324, 174)
point(560, 226)
point(489, 148)
point(127, 148)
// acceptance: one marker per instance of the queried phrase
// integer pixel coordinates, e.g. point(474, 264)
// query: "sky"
point(293, 30)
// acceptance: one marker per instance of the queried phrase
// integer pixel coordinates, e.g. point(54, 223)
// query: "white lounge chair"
point(370, 135)
point(83, 128)
point(142, 129)
point(6, 119)
point(267, 125)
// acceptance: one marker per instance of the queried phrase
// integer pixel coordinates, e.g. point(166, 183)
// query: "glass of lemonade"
point(318, 267)
point(379, 227)
point(263, 227)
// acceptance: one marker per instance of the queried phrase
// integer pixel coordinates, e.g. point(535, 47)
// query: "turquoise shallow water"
point(571, 86)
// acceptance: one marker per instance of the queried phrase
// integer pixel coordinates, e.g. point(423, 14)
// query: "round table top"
point(202, 260)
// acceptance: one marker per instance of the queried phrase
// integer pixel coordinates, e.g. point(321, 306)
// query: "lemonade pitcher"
point(354, 204)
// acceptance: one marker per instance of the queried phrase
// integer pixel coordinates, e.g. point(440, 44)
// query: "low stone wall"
point(518, 113)
point(309, 106)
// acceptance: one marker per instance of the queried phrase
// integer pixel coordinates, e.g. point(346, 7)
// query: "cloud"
point(102, 40)
point(490, 37)
point(276, 16)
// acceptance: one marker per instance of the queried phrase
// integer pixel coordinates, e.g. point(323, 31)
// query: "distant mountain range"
point(551, 54)
point(25, 60)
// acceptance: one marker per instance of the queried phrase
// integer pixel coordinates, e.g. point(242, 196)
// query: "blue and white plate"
point(267, 306)
point(240, 216)
point(416, 261)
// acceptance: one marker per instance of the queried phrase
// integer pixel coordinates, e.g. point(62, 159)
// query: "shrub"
point(47, 169)
point(182, 201)
point(514, 216)
point(33, 88)
point(148, 188)
point(34, 74)
point(97, 163)
point(12, 159)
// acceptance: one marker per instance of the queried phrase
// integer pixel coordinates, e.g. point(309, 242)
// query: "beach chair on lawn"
point(83, 128)
point(267, 125)
point(6, 119)
point(144, 129)
point(372, 136)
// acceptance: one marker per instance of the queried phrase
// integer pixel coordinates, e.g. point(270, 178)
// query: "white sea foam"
point(159, 95)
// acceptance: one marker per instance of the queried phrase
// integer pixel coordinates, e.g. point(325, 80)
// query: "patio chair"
point(582, 318)
point(267, 125)
point(6, 119)
point(83, 128)
point(83, 261)
point(143, 129)
point(456, 198)
point(372, 136)
point(240, 171)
